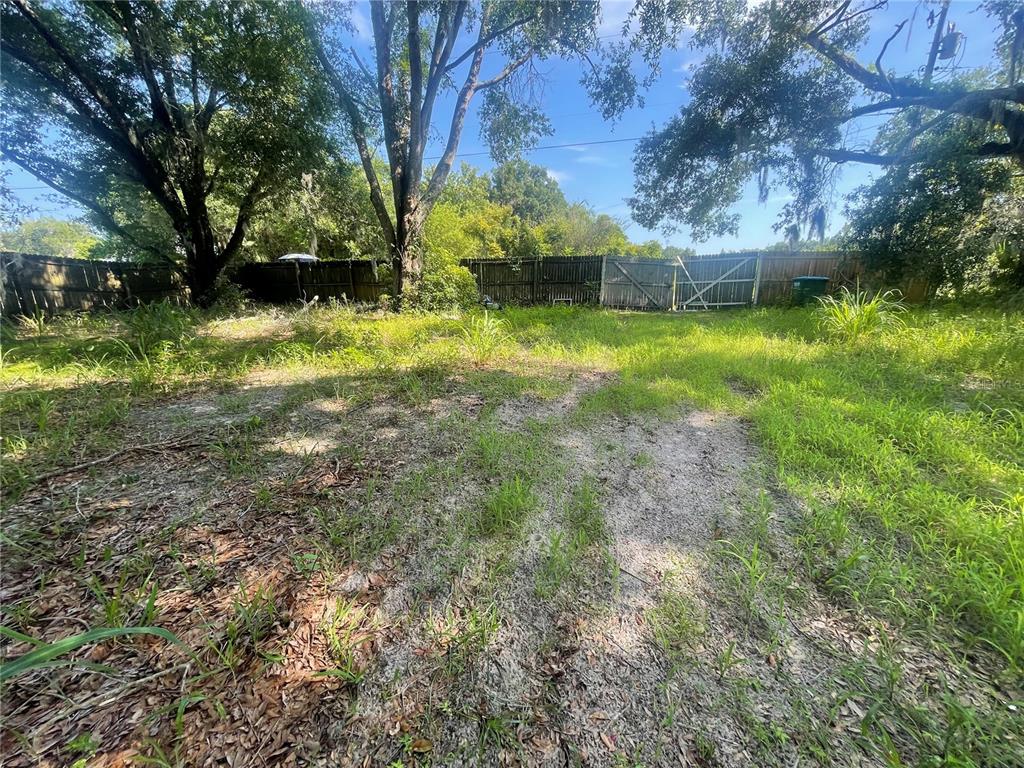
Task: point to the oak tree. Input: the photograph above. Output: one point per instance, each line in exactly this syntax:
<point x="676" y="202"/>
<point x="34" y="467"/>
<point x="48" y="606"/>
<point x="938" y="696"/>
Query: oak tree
<point x="784" y="90"/>
<point x="185" y="102"/>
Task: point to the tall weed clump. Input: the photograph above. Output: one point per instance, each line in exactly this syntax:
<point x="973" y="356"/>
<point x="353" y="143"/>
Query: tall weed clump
<point x="853" y="315"/>
<point x="151" y="326"/>
<point x="484" y="337"/>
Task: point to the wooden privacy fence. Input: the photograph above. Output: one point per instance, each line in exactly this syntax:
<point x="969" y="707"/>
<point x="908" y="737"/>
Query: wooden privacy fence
<point x="283" y="282"/>
<point x="575" y="279"/>
<point x="50" y="284"/>
<point x="692" y="283"/>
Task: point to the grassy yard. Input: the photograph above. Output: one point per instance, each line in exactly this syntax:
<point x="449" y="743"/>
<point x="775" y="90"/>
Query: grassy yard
<point x="544" y="536"/>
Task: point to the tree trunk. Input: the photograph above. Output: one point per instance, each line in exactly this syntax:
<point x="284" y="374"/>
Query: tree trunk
<point x="406" y="263"/>
<point x="202" y="268"/>
<point x="406" y="257"/>
<point x="205" y="257"/>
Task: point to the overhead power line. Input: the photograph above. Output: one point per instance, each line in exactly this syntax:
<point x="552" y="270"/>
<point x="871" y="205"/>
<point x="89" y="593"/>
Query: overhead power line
<point x="549" y="146"/>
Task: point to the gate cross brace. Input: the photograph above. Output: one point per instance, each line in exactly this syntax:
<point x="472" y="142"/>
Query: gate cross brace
<point x="702" y="291"/>
<point x="643" y="290"/>
<point x="692" y="283"/>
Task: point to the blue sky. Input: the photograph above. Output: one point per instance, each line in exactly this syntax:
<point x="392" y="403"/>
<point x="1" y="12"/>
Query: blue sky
<point x="602" y="175"/>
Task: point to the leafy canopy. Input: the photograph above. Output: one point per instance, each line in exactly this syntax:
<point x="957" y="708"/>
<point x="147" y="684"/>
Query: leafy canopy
<point x="195" y="109"/>
<point x="775" y="97"/>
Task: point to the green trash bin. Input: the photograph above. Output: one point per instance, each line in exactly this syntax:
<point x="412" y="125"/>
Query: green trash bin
<point x="808" y="287"/>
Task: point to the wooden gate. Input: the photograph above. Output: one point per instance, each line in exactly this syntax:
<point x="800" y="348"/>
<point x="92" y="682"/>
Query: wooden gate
<point x="748" y="278"/>
<point x="635" y="284"/>
<point x="713" y="283"/>
<point x="681" y="285"/>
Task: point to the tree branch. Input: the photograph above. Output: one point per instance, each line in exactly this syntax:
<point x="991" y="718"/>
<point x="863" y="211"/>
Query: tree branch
<point x="870" y="80"/>
<point x="358" y="128"/>
<point x="62" y="88"/>
<point x="383" y="26"/>
<point x="511" y="67"/>
<point x="245" y="208"/>
<point x="826" y="24"/>
<point x="122" y="15"/>
<point x="486" y="40"/>
<point x="103" y="99"/>
<point x="440" y="58"/>
<point x="881" y="53"/>
<point x="989" y="149"/>
<point x="854" y="156"/>
<point x="109" y="222"/>
<point x="414" y="151"/>
<point x="444" y="165"/>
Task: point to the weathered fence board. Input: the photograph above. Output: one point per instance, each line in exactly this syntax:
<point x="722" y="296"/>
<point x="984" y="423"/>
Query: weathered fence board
<point x="571" y="280"/>
<point x="283" y="282"/>
<point x="33" y="283"/>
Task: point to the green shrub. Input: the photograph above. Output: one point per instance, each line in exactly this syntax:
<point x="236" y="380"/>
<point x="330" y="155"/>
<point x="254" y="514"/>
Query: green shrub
<point x="443" y="288"/>
<point x="229" y="297"/>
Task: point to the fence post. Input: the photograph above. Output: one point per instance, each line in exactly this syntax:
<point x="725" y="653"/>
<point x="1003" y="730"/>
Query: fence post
<point x="536" y="281"/>
<point x="600" y="296"/>
<point x="298" y="282"/>
<point x="757" y="279"/>
<point x="675" y="274"/>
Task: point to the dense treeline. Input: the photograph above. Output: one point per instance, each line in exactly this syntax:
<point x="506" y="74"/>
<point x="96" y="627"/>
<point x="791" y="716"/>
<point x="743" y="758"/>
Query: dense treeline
<point x="516" y="211"/>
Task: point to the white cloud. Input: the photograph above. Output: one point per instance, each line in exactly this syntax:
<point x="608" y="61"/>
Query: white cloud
<point x="361" y="22"/>
<point x="558" y="176"/>
<point x="613" y="16"/>
<point x="594" y="160"/>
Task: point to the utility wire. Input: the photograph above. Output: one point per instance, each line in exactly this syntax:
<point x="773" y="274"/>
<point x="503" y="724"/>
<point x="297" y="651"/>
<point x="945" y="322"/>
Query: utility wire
<point x="549" y="146"/>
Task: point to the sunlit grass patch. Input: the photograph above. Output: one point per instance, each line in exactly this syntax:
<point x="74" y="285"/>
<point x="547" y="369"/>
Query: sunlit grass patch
<point x="506" y="507"/>
<point x="677" y="621"/>
<point x="908" y="447"/>
<point x="580" y="538"/>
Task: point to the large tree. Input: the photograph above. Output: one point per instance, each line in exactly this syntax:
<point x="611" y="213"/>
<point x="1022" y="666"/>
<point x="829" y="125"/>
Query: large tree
<point x="527" y="189"/>
<point x="783" y="93"/>
<point x="948" y="219"/>
<point x="182" y="101"/>
<point x="422" y="50"/>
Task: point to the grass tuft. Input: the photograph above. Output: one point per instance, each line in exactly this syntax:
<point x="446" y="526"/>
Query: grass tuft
<point x="852" y="315"/>
<point x="506" y="507"/>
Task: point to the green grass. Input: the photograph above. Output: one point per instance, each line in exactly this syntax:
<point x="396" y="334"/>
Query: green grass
<point x="506" y="506"/>
<point x="854" y="315"/>
<point x="582" y="534"/>
<point x="906" y="448"/>
<point x="676" y="621"/>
